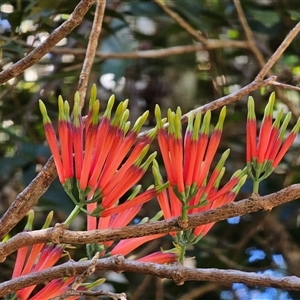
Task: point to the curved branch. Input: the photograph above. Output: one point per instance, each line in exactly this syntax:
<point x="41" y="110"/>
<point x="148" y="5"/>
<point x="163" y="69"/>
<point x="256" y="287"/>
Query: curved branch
<point x="178" y="273"/>
<point x="57" y="35"/>
<point x="59" y="234"/>
<point x="276" y="55"/>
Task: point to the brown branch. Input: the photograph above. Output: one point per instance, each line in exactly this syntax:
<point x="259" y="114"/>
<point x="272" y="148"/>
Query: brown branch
<point x="276" y="55"/>
<point x="158" y="53"/>
<point x="286" y="86"/>
<point x="249" y="35"/>
<point x="58" y="234"/>
<point x="27" y="198"/>
<point x="181" y="22"/>
<point x="91" y="50"/>
<point x="57" y="35"/>
<point x="178" y="273"/>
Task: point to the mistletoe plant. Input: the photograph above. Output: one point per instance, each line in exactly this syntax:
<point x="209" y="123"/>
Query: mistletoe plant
<point x="100" y="159"/>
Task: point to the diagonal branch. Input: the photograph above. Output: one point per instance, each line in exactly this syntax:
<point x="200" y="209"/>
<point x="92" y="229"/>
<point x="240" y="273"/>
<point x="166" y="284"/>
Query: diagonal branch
<point x="277" y="54"/>
<point x="57" y="35"/>
<point x="91" y="50"/>
<point x="178" y="273"/>
<point x="181" y="22"/>
<point x="59" y="234"/>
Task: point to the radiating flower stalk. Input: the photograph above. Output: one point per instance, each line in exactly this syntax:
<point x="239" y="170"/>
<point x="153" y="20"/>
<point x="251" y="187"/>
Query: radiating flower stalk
<point x="188" y="161"/>
<point x="264" y="155"/>
<point x="104" y="156"/>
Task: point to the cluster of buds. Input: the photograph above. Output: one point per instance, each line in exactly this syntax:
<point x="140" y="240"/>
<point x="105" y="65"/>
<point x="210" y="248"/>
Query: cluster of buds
<point x="40" y="257"/>
<point x="188" y="161"/>
<point x="264" y="155"/>
<point x="103" y="156"/>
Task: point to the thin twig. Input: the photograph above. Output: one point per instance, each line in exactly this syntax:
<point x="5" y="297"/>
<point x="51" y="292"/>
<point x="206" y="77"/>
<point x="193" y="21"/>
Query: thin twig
<point x="286" y="86"/>
<point x="181" y="22"/>
<point x="178" y="273"/>
<point x="57" y="35"/>
<point x="276" y="55"/>
<point x="59" y="234"/>
<point x="249" y="35"/>
<point x="259" y="57"/>
<point x="91" y="50"/>
<point x="158" y="53"/>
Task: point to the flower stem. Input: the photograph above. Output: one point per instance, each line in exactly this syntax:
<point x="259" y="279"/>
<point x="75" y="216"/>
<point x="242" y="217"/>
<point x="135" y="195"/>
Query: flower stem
<point x="182" y="253"/>
<point x="256" y="186"/>
<point x="72" y="215"/>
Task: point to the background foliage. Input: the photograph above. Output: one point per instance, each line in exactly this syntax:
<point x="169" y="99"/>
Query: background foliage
<point x="261" y="242"/>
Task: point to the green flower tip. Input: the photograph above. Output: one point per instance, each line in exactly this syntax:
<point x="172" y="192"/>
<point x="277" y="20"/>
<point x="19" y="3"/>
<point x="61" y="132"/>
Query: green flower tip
<point x="177" y="126"/>
<point x="284" y="125"/>
<point x="94" y="92"/>
<point x="93" y="96"/>
<point x="48" y="220"/>
<point x="140" y="122"/>
<point x="279" y="116"/>
<point x="30" y="219"/>
<point x="270" y="106"/>
<point x="223" y="159"/>
<point x="67" y="110"/>
<point x="196" y="126"/>
<point x="95" y="110"/>
<point x="126" y="127"/>
<point x="61" y="109"/>
<point x="251" y="109"/>
<point x="135" y="192"/>
<point x="125" y="104"/>
<point x="296" y="127"/>
<point x="206" y="123"/>
<point x="157" y="113"/>
<point x="171" y="117"/>
<point x="222" y="116"/>
<point x="110" y="104"/>
<point x="179" y="112"/>
<point x="142" y="155"/>
<point x="148" y="161"/>
<point x="76" y="98"/>
<point x="43" y="110"/>
<point x="119" y="114"/>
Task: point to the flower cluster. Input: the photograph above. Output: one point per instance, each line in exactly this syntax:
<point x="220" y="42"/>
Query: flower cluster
<point x="103" y="156"/>
<point x="40" y="257"/>
<point x="188" y="160"/>
<point x="264" y="155"/>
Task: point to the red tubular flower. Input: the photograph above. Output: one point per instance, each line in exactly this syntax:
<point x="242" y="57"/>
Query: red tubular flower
<point x="77" y="137"/>
<point x="160" y="257"/>
<point x="48" y="256"/>
<point x="138" y="200"/>
<point x="251" y="131"/>
<point x="271" y="148"/>
<point x="126" y="246"/>
<point x="195" y="155"/>
<point x="265" y="130"/>
<point x="52" y="141"/>
<point x="287" y="144"/>
<point x="89" y="147"/>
